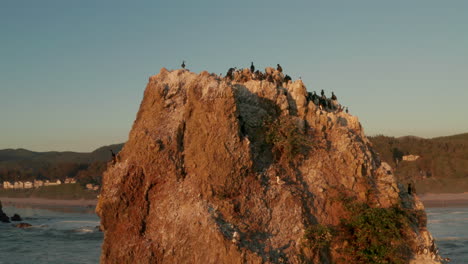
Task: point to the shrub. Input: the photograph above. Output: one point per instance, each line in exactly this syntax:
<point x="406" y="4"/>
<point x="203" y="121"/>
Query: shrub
<point x="286" y="137"/>
<point x="376" y="235"/>
<point x="318" y="237"/>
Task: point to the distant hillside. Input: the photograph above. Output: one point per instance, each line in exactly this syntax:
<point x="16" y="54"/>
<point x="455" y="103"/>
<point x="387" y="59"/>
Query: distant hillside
<point x="100" y="154"/>
<point x="22" y="164"/>
<point x="442" y="166"/>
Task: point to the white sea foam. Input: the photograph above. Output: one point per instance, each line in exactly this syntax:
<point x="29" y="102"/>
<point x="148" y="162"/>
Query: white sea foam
<point x="86" y="222"/>
<point x="451" y="238"/>
<point x="85" y="229"/>
<point x="459" y="212"/>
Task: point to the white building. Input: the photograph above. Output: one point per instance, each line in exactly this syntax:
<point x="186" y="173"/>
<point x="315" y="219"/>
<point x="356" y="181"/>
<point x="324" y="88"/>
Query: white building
<point x="18" y="185"/>
<point x="7" y="185"/>
<point x="38" y="183"/>
<point x="49" y="183"/>
<point x="70" y="180"/>
<point x="27" y="185"/>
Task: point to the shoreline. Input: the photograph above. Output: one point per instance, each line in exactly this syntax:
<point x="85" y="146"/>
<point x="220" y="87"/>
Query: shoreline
<point x="444" y="199"/>
<point x="49" y="202"/>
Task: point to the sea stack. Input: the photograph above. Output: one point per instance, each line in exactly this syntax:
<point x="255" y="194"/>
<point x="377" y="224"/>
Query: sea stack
<point x="196" y="181"/>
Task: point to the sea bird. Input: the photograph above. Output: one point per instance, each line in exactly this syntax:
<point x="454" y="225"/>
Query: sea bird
<point x="114" y="157"/>
<point x="230" y="72"/>
<point x="333" y="97"/>
<point x="279" y="68"/>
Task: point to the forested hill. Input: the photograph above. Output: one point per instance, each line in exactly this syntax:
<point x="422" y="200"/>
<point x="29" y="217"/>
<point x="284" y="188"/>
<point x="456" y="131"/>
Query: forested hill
<point x="22" y="164"/>
<point x="442" y="166"/>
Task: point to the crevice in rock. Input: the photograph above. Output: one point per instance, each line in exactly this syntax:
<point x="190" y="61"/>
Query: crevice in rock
<point x="147" y="208"/>
<point x="180" y="161"/>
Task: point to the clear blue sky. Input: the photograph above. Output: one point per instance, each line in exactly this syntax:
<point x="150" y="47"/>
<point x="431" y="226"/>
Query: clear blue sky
<point x="72" y="73"/>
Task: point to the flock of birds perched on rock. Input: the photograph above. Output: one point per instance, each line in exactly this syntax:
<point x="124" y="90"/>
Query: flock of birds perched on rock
<point x="269" y="75"/>
<point x="277" y="77"/>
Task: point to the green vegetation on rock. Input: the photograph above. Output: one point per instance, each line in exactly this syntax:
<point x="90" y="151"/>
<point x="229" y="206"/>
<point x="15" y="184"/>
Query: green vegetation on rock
<point x="287" y="139"/>
<point x="318" y="237"/>
<point x="375" y="235"/>
<point x="367" y="235"/>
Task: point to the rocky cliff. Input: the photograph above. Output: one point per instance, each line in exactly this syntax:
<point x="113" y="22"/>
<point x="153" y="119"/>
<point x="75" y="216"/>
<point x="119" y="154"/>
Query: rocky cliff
<point x="241" y="170"/>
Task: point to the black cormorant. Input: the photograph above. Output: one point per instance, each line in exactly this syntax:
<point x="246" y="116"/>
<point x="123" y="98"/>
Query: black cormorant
<point x="279" y="68"/>
<point x="287" y="78"/>
<point x="114" y="157"/>
<point x="333" y="97"/>
<point x="183" y="65"/>
<point x="315" y="98"/>
<point x="252" y="68"/>
<point x="229" y="73"/>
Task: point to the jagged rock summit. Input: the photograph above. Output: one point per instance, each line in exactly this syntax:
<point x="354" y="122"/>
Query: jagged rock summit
<point x="239" y="170"/>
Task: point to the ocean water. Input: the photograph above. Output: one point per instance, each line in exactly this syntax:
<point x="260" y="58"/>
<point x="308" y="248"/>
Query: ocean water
<point x="449" y="227"/>
<point x="58" y="235"/>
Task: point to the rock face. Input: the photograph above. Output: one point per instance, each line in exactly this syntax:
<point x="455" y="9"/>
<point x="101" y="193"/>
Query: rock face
<point x="22" y="225"/>
<point x="3" y="217"/>
<point x="16" y="217"/>
<point x="250" y="171"/>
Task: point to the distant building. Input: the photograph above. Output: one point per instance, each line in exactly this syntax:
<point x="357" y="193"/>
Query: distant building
<point x="27" y="185"/>
<point x="92" y="187"/>
<point x="18" y="185"/>
<point x="7" y="185"/>
<point x="410" y="157"/>
<point x="33" y="184"/>
<point x="38" y="183"/>
<point x="49" y="183"/>
<point x="70" y="180"/>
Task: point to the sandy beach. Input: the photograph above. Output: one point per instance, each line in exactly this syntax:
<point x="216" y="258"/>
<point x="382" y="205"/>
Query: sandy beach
<point x="444" y="199"/>
<point x="48" y="202"/>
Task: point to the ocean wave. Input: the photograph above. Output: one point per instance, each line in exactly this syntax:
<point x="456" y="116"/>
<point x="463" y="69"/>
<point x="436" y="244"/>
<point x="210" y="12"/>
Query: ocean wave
<point x="457" y="212"/>
<point x="75" y="221"/>
<point x="85" y="229"/>
<point x="451" y="221"/>
<point x="433" y="213"/>
<point x="451" y="238"/>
